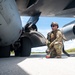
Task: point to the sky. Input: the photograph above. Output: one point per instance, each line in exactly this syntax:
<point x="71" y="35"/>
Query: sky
<point x="43" y="26"/>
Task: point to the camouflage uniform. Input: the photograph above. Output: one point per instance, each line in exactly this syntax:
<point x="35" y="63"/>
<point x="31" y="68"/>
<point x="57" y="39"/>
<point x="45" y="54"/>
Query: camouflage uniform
<point x="54" y="43"/>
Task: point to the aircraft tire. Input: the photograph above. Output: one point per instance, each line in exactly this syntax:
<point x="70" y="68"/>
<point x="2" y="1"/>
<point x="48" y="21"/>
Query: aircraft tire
<point x="4" y="51"/>
<point x="25" y="47"/>
<point x="17" y="52"/>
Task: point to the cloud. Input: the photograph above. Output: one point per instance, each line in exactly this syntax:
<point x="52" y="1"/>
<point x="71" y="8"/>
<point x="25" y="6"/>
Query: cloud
<point x="69" y="44"/>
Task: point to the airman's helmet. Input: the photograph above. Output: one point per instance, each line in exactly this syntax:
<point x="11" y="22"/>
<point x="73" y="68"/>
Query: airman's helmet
<point x="54" y="24"/>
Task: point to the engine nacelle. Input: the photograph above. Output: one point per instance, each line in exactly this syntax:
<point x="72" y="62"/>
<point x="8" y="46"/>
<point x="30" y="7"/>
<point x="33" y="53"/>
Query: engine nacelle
<point x="69" y="31"/>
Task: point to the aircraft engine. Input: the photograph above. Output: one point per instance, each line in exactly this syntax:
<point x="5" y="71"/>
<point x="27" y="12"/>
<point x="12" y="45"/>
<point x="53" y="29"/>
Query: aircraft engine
<point x="69" y="31"/>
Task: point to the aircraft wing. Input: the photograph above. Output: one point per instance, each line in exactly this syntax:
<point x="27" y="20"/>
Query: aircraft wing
<point x="47" y="7"/>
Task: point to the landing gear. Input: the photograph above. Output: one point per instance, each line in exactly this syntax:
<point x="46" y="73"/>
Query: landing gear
<point x="5" y="51"/>
<point x="18" y="52"/>
<point x="22" y="47"/>
<point x="25" y="47"/>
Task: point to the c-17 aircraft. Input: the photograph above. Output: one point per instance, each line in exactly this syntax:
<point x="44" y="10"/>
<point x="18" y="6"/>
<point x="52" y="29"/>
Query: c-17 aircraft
<point x="21" y="40"/>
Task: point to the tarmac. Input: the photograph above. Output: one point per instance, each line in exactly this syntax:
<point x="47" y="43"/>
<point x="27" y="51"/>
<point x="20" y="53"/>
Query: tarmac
<point x="37" y="64"/>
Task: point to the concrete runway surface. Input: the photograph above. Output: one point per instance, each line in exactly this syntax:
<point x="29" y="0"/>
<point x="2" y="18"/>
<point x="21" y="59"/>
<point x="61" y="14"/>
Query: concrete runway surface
<point x="37" y="64"/>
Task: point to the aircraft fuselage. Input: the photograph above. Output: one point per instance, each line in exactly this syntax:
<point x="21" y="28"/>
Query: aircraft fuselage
<point x="10" y="22"/>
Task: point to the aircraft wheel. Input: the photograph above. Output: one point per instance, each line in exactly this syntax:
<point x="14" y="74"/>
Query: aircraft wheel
<point x="25" y="47"/>
<point x="5" y="51"/>
<point x="17" y="52"/>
